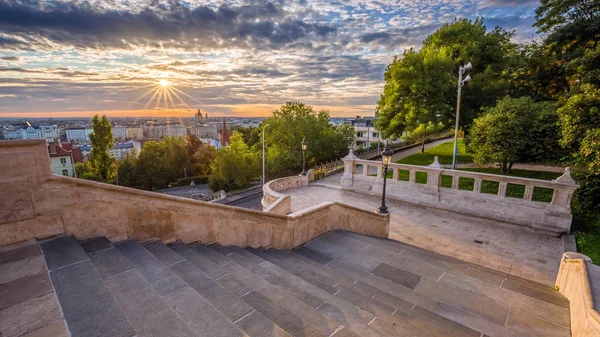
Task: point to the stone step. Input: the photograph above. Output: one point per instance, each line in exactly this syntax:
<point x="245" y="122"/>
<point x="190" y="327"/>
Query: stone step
<point x="144" y="307"/>
<point x="62" y="252"/>
<point x="252" y="322"/>
<point x="88" y="306"/>
<point x="290" y="314"/>
<point x="345" y="313"/>
<point x="110" y="262"/>
<point x="162" y="252"/>
<point x="206" y="265"/>
<point x="162" y="279"/>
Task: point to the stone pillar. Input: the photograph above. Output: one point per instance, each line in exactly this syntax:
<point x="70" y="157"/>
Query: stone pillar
<point x="347" y="177"/>
<point x="433" y="176"/>
<point x="563" y="192"/>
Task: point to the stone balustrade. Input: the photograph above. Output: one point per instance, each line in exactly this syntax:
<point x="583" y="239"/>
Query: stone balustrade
<point x="463" y="192"/>
<point x="577" y="278"/>
<point x="35" y="204"/>
<point x="279" y="203"/>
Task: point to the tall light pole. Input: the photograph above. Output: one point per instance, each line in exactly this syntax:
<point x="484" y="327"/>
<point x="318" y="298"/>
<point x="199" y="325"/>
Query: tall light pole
<point x="304" y="144"/>
<point x="263" y="166"/>
<point x="461" y="82"/>
<point x="386" y="158"/>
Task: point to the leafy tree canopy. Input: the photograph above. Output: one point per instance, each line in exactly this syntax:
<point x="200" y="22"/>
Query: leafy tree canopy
<point x="102" y="142"/>
<point x="234" y="166"/>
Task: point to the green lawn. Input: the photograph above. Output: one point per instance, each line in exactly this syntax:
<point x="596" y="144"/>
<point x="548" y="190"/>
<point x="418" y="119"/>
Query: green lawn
<point x="589" y="244"/>
<point x="443" y="151"/>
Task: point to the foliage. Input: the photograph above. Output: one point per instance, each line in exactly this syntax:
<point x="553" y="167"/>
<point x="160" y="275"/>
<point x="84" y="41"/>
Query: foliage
<point x="234" y="166"/>
<point x="252" y="135"/>
<point x="579" y="114"/>
<point x="421" y="85"/>
<point x="516" y="129"/>
<point x="289" y="125"/>
<point x="165" y="161"/>
<point x="102" y="141"/>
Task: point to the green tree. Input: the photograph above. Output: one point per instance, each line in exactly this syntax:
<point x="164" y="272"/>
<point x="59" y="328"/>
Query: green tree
<point x="579" y="114"/>
<point x="516" y="129"/>
<point x="422" y="132"/>
<point x="102" y="141"/>
<point x="151" y="166"/>
<point x="289" y="125"/>
<point x="421" y="85"/>
<point x="234" y="166"/>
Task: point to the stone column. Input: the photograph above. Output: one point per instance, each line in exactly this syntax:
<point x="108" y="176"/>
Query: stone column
<point x="565" y="186"/>
<point x="347" y="177"/>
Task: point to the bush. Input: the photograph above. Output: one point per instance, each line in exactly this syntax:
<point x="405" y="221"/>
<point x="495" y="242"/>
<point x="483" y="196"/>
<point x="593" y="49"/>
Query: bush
<point x="198" y="180"/>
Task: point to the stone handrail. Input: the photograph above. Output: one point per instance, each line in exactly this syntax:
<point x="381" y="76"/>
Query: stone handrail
<point x="279" y="203"/>
<point x="37" y="204"/>
<point x="551" y="218"/>
<point x="576" y="278"/>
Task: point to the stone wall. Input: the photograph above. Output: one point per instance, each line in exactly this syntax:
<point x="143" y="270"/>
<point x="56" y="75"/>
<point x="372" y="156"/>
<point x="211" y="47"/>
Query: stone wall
<point x="36" y="204"/>
<point x="577" y="278"/>
<point x="551" y="218"/>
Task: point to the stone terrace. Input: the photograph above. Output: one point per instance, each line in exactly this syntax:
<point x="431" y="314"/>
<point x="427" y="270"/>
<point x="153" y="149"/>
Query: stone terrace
<point x="503" y="247"/>
<point x="341" y="284"/>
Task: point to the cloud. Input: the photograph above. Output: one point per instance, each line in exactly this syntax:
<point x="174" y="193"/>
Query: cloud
<point x="173" y="24"/>
<point x="9" y="58"/>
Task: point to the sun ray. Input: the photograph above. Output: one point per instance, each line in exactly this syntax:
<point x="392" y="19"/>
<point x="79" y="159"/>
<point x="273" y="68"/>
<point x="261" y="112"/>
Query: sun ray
<point x="186" y="95"/>
<point x="142" y="96"/>
<point x="171" y="99"/>
<point x="162" y="90"/>
<point x="151" y="98"/>
<point x="180" y="99"/>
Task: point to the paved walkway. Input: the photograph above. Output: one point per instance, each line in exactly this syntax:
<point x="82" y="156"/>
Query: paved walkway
<point x="492" y="244"/>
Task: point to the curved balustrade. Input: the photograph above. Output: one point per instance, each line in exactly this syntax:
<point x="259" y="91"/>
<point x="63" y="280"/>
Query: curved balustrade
<point x="543" y="205"/>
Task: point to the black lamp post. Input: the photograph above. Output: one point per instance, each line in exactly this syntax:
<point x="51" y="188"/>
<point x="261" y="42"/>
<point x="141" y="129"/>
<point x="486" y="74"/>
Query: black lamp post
<point x="386" y="157"/>
<point x="304" y="143"/>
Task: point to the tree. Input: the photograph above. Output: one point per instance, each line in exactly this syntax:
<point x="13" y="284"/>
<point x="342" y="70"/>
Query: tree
<point x="234" y="166"/>
<point x="102" y="142"/>
<point x="289" y="125"/>
<point x="421" y="86"/>
<point x="516" y="129"/>
<point x="423" y="132"/>
<point x="579" y="114"/>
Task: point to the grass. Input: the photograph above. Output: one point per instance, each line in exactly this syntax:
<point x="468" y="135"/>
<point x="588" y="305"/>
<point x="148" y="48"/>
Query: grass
<point x="589" y="244"/>
<point x="443" y="151"/>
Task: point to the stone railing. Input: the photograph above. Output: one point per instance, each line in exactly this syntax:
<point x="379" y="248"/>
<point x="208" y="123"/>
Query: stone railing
<point x="279" y="203"/>
<point x="437" y="187"/>
<point x="37" y="204"/>
<point x="219" y="195"/>
<point x="577" y="278"/>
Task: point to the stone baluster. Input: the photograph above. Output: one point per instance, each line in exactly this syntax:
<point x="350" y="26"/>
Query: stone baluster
<point x="528" y="192"/>
<point x="394" y="173"/>
<point x="365" y="169"/>
<point x="412" y="176"/>
<point x="380" y="172"/>
<point x="455" y="182"/>
<point x="502" y="188"/>
<point x="477" y="187"/>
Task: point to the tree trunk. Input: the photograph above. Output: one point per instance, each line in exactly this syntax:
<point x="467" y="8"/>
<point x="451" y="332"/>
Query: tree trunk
<point x="503" y="167"/>
<point x="423" y="146"/>
<point x="510" y="165"/>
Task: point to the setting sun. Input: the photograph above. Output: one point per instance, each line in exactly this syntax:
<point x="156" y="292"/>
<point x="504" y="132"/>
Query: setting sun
<point x="164" y="83"/>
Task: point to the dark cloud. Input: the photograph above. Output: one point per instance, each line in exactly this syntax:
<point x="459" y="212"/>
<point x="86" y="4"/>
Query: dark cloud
<point x="83" y="25"/>
<point x="399" y="37"/>
<point x="9" y="58"/>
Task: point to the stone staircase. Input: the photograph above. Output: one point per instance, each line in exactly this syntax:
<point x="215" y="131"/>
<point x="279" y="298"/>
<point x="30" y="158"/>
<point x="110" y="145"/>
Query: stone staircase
<point x="340" y="284"/>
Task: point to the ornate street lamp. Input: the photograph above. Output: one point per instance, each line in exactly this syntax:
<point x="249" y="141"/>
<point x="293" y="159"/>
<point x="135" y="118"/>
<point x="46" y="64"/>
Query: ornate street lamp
<point x="386" y="158"/>
<point x="304" y="144"/>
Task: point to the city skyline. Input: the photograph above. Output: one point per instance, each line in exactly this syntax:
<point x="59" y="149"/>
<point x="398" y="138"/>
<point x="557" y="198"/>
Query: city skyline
<point x="232" y="58"/>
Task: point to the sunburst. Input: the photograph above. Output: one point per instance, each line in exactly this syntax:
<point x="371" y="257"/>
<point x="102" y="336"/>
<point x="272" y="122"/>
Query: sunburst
<point x="161" y="96"/>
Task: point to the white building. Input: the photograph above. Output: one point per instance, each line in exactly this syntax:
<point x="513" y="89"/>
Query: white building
<point x="162" y="131"/>
<point x="119" y="151"/>
<point x="27" y="131"/>
<point x="61" y="160"/>
<point x="119" y="132"/>
<point x="366" y="132"/>
<point x="79" y="135"/>
<point x="208" y="131"/>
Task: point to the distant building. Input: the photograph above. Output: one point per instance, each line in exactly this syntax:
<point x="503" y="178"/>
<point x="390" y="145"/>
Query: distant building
<point x="224" y="134"/>
<point x="135" y="133"/>
<point x="79" y="135"/>
<point x="160" y="131"/>
<point x="201" y="119"/>
<point x="208" y="131"/>
<point x="366" y="132"/>
<point x="119" y="132"/>
<point x="119" y="150"/>
<point x="61" y="159"/>
<point x="27" y="131"/>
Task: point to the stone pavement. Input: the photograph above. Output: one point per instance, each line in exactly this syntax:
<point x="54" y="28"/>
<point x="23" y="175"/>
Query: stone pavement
<point x="488" y="243"/>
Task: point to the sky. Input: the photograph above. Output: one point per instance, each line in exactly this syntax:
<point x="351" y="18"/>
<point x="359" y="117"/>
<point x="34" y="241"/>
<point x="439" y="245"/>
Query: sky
<point x="67" y="58"/>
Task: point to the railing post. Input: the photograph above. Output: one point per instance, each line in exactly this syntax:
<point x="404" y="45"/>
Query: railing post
<point x="412" y="176"/>
<point x="477" y="187"/>
<point x="379" y="172"/>
<point x="563" y="190"/>
<point x="395" y="174"/>
<point x="528" y="192"/>
<point x="455" y="182"/>
<point x="502" y="189"/>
